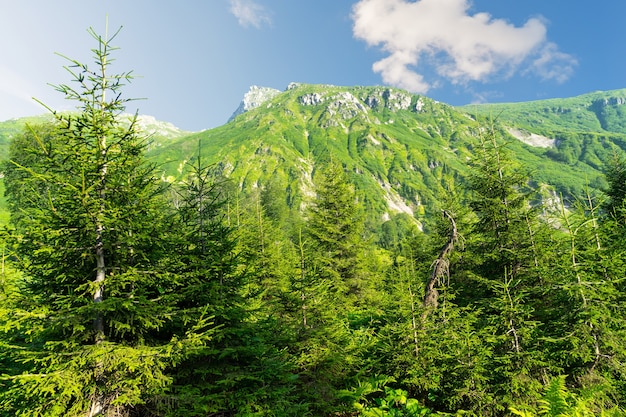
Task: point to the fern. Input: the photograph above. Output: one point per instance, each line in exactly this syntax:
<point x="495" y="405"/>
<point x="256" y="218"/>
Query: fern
<point x="557" y="399"/>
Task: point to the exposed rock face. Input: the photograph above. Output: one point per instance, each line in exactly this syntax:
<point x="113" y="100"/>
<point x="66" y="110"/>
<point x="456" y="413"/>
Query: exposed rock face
<point x="340" y="106"/>
<point x="392" y="100"/>
<point x="372" y="101"/>
<point x="254" y="98"/>
<point x="419" y="105"/>
<point x="611" y="101"/>
<point x="346" y="106"/>
<point x="396" y="100"/>
<point x="312" y="99"/>
<point x="395" y="203"/>
<point x="532" y="139"/>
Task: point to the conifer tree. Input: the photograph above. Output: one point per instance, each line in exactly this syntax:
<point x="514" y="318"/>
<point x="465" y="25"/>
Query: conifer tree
<point x="336" y="226"/>
<point x="227" y="272"/>
<point x="589" y="306"/>
<point x="506" y="274"/>
<point x="331" y="283"/>
<point x="87" y="211"/>
<point x="587" y="309"/>
<point x="616" y="192"/>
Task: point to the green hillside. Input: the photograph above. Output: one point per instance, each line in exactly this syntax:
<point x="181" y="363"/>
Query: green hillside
<point x="402" y="150"/>
<point x="598" y="112"/>
<point x="585" y="129"/>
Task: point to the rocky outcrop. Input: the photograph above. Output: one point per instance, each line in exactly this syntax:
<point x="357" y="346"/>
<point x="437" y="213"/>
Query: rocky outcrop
<point x="532" y="139"/>
<point x="611" y="101"/>
<point x="312" y="99"/>
<point x="254" y="98"/>
<point x="395" y="100"/>
<point x="390" y="99"/>
<point x="346" y="106"/>
<point x="339" y="106"/>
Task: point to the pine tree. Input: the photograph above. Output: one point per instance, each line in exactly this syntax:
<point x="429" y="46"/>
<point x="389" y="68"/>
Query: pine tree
<point x="88" y="215"/>
<point x="616" y="192"/>
<point x="506" y="275"/>
<point x="336" y="226"/>
<point x="228" y="272"/>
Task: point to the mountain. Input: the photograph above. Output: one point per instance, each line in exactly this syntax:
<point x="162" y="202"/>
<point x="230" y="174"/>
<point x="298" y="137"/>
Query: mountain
<point x="397" y="146"/>
<point x="584" y="130"/>
<point x="598" y="112"/>
<point x="148" y="125"/>
<point x="403" y="151"/>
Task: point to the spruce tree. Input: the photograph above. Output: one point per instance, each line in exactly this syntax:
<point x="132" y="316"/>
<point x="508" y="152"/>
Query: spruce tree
<point x="336" y="227"/>
<point x="586" y="324"/>
<point x="87" y="211"/>
<point x="616" y="192"/>
<point x="331" y="284"/>
<point x="592" y="289"/>
<point x="231" y="272"/>
<point x="506" y="275"/>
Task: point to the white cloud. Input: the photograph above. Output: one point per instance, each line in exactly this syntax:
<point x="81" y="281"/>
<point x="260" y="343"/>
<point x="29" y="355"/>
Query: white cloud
<point x="551" y="64"/>
<point x="249" y="13"/>
<point x="460" y="47"/>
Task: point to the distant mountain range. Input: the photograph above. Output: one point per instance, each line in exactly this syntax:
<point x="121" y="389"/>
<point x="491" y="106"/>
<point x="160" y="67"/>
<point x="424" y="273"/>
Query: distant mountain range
<point x="403" y="151"/>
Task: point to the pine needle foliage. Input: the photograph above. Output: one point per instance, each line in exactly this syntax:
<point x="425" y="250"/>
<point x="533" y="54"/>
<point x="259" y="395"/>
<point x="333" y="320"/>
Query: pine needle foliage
<point x="86" y="326"/>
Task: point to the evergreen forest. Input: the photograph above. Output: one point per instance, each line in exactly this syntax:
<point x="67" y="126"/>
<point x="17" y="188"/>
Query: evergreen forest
<point x="123" y="293"/>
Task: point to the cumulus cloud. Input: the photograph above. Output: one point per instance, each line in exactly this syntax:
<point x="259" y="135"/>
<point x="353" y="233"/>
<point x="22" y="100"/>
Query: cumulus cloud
<point x="459" y="46"/>
<point x="249" y="13"/>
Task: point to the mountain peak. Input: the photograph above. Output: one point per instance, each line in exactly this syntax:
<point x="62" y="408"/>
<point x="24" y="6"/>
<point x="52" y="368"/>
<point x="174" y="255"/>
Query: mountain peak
<point x="151" y="126"/>
<point x="254" y="98"/>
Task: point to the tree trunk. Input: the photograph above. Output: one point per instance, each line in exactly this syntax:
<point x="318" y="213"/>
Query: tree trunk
<point x="97" y="403"/>
<point x="440" y="266"/>
<point x="98" y="296"/>
<point x="302" y="280"/>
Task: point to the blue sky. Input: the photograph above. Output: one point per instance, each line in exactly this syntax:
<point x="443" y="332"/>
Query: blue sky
<point x="197" y="58"/>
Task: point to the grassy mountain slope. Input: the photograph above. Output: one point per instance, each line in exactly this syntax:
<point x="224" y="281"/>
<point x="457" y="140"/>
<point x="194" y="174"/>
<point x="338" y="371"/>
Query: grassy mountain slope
<point x="598" y="112"/>
<point x="397" y="155"/>
<point x="159" y="132"/>
<point x="586" y="129"/>
<point x="402" y="150"/>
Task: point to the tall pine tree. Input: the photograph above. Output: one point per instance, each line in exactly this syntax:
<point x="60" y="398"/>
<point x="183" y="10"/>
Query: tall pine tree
<point x="87" y="211"/>
<point x="506" y="274"/>
<point x="336" y="227"/>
